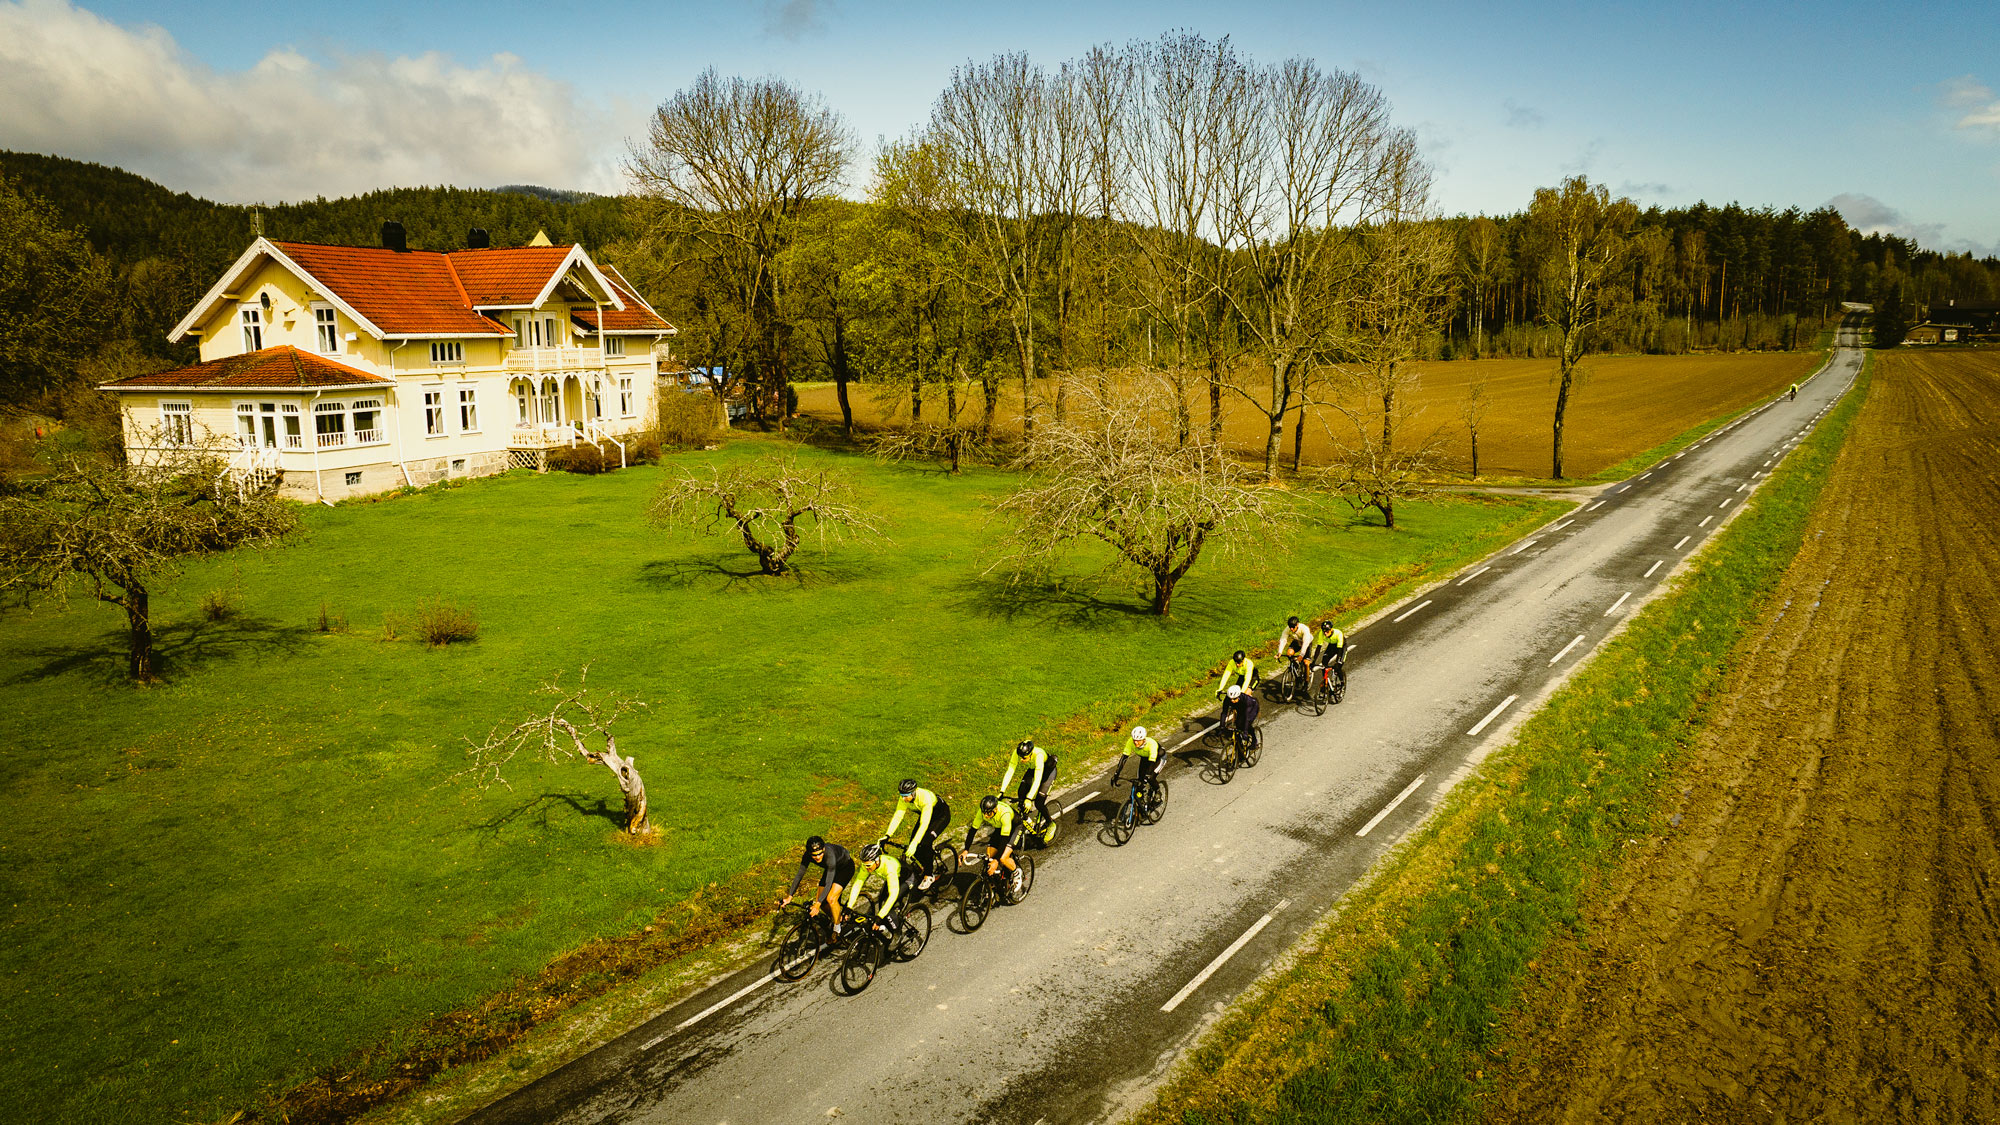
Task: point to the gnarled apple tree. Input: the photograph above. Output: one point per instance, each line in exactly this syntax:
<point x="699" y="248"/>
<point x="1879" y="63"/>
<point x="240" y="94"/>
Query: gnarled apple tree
<point x="772" y="502"/>
<point x="565" y="724"/>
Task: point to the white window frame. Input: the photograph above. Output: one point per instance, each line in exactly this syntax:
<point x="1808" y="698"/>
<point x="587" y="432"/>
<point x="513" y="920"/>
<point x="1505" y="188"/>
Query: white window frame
<point x="447" y="353"/>
<point x="336" y="410"/>
<point x="434" y="411"/>
<point x="326" y="329"/>
<point x="250" y="316"/>
<point x="360" y="406"/>
<point x="614" y="345"/>
<point x="625" y="397"/>
<point x="468" y="410"/>
<point x="176" y="423"/>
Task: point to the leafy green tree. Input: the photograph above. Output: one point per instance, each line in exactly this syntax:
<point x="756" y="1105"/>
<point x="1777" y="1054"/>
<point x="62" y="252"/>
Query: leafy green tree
<point x="1892" y="310"/>
<point x="55" y="297"/>
<point x="1581" y="234"/>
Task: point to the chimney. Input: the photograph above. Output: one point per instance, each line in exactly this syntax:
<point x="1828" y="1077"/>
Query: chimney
<point x="478" y="239"/>
<point x="392" y="236"/>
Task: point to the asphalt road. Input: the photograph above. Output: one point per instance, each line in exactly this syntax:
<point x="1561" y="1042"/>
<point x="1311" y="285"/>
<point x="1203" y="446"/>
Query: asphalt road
<point x="1071" y="1006"/>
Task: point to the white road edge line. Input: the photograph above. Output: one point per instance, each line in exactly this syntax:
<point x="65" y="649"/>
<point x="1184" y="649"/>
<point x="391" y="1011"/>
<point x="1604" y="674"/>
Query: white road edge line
<point x="1072" y="806"/>
<point x="1562" y="525"/>
<point x="709" y="1011"/>
<point x="1202" y="977"/>
<point x="1619" y="602"/>
<point x="1391" y="806"/>
<point x="1725" y="501"/>
<point x="1595" y="506"/>
<point x="1525" y="546"/>
<point x="1683" y="542"/>
<point x="1413" y="609"/>
<point x="1651" y="569"/>
<point x="1564" y="652"/>
<point x="1492" y="715"/>
<point x="1474" y="574"/>
<point x="1704" y="521"/>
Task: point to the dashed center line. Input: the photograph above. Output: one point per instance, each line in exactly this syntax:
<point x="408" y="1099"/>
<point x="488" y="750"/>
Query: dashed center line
<point x="1413" y="609"/>
<point x="1558" y="656"/>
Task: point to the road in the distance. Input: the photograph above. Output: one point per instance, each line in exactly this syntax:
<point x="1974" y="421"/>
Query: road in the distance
<point x="1058" y="1010"/>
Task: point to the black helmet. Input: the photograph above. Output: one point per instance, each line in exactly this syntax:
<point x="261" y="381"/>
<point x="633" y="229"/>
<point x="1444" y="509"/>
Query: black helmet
<point x="1291" y="621"/>
<point x="989" y="804"/>
<point x="1327" y="625"/>
<point x="815" y="844"/>
<point x="871" y="853"/>
<point x="907" y="786"/>
<point x="1025" y="747"/>
<point x="1238" y="658"/>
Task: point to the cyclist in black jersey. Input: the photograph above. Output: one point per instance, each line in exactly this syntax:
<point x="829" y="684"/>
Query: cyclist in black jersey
<point x="836" y="871"/>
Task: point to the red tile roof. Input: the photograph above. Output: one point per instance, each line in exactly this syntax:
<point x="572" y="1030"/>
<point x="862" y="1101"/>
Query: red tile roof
<point x="637" y="316"/>
<point x="399" y="291"/>
<point x="283" y="368"/>
<point x="507" y="275"/>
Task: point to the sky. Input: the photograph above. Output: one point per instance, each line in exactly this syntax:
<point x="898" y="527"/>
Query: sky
<point x="1888" y="113"/>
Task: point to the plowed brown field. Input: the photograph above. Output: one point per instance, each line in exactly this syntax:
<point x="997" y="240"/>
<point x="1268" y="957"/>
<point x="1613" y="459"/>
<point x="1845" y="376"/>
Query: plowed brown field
<point x="1625" y="406"/>
<point x="1816" y="939"/>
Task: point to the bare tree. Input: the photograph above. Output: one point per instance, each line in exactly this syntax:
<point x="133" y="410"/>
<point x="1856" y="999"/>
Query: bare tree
<point x="765" y="500"/>
<point x="1580" y="232"/>
<point x="728" y="168"/>
<point x="122" y="531"/>
<point x="562" y="731"/>
<point x="1485" y="265"/>
<point x="1113" y="470"/>
<point x="1473" y="411"/>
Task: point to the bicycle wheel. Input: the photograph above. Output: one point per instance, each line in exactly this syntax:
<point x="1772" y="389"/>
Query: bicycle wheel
<point x="797" y="953"/>
<point x="976" y="903"/>
<point x="911" y="942"/>
<point x="1339" y="687"/>
<point x="868" y="954"/>
<point x="1216" y="736"/>
<point x="1027" y="865"/>
<point x="1225" y="762"/>
<point x="1315" y="700"/>
<point x="1120" y="828"/>
<point x="1253" y="750"/>
<point x="1156" y="802"/>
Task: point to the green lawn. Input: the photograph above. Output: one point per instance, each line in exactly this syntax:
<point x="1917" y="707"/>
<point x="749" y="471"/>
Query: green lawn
<point x="232" y="880"/>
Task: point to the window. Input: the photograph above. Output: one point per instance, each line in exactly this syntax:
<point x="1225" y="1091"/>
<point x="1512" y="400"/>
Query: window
<point x="625" y="396"/>
<point x="177" y="423"/>
<point x="353" y="478"/>
<point x="257" y="425"/>
<point x="327" y="329"/>
<point x="253" y="328"/>
<point x="330" y="424"/>
<point x="368" y="421"/>
<point x="468" y="410"/>
<point x="614" y="345"/>
<point x="520" y="332"/>
<point x="246" y="425"/>
<point x="447" y="351"/>
<point x="434" y="413"/>
<point x="293" y="438"/>
<point x="458" y="466"/>
<point x="550" y="332"/>
<point x="596" y="397"/>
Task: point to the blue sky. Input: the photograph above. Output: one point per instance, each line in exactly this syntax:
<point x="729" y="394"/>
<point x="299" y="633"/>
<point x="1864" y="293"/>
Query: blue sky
<point x="1890" y="114"/>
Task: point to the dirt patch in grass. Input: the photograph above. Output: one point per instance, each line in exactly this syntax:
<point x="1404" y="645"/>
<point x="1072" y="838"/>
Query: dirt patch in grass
<point x="1814" y="936"/>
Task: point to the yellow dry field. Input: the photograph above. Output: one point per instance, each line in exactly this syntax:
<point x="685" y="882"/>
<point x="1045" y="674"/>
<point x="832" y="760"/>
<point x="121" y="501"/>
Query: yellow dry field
<point x="1624" y="405"/>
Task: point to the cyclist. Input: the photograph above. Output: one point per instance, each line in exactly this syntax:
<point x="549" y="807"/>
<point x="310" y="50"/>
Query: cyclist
<point x="1148" y="750"/>
<point x="1295" y="643"/>
<point x="1004" y="836"/>
<point x="1795" y="392"/>
<point x="1239" y="671"/>
<point x="933" y="817"/>
<point x="1331" y="651"/>
<point x="1241" y="707"/>
<point x="895" y="884"/>
<point x="1038" y="775"/>
<point x="836" y="869"/>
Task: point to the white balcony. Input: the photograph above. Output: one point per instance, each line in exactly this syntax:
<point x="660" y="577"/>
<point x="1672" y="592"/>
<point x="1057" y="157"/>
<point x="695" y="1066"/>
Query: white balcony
<point x="554" y="359"/>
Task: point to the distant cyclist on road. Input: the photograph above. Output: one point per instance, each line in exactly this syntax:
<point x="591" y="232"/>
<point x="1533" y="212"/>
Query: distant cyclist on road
<point x="1795" y="392"/>
<point x="895" y="884"/>
<point x="1002" y="838"/>
<point x="933" y="817"/>
<point x="1295" y="644"/>
<point x="1240" y="708"/>
<point x="1240" y="671"/>
<point x="1038" y="774"/>
<point x="1148" y="751"/>
<point x="1331" y="651"/>
<point x="836" y="869"/>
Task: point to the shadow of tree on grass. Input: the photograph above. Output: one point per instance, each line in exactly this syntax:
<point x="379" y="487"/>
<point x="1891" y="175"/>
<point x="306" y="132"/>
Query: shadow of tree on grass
<point x="178" y="647"/>
<point x="535" y="811"/>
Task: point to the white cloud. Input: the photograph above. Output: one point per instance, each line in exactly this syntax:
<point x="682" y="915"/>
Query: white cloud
<point x="793" y="20"/>
<point x="1978" y="105"/>
<point x="290" y="127"/>
<point x="1870" y="215"/>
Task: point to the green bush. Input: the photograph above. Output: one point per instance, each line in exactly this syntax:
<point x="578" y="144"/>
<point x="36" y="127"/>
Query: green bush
<point x="441" y="622"/>
<point x="584" y="457"/>
<point x="688" y="419"/>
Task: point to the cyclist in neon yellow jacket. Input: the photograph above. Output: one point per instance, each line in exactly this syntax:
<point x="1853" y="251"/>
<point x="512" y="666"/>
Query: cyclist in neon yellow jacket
<point x="877" y="863"/>
<point x="1331" y="651"/>
<point x="1148" y="751"/>
<point x="997" y="815"/>
<point x="933" y="817"/>
<point x="1240" y="670"/>
<point x="1038" y="774"/>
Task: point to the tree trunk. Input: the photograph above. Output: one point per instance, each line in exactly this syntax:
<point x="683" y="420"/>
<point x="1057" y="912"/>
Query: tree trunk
<point x="139" y="633"/>
<point x="1298" y="438"/>
<point x="626" y="770"/>
<point x="1562" y="404"/>
<point x="1163" y="593"/>
<point x="1475" y="452"/>
<point x="840" y="373"/>
<point x="1214" y="405"/>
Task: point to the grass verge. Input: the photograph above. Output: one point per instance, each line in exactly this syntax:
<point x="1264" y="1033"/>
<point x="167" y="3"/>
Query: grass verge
<point x="1391" y="1011"/>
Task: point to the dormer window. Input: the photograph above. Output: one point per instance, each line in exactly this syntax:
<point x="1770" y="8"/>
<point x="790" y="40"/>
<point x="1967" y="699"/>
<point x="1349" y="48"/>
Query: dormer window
<point x="326" y="329"/>
<point x="253" y="328"/>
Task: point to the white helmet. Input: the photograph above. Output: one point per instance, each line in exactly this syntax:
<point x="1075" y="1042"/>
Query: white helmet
<point x="1235" y="690"/>
<point x="1138" y="734"/>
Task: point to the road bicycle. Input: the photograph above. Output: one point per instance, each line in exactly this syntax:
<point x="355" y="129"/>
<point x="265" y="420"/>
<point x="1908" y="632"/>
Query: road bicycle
<point x="1244" y="750"/>
<point x="1145" y="803"/>
<point x="996" y="888"/>
<point x="807" y="937"/>
<point x="944" y="865"/>
<point x="1327" y="686"/>
<point x="876" y="943"/>
<point x="1293" y="686"/>
<point x="1043" y="829"/>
